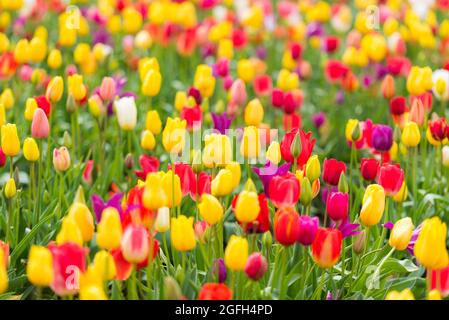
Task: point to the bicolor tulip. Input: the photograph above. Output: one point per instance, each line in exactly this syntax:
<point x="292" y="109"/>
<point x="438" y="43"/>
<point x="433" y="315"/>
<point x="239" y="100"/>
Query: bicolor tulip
<point x="401" y="234"/>
<point x="284" y="190"/>
<point x="134" y="243"/>
<point x="326" y="247"/>
<point x="61" y="159"/>
<point x="286" y="226"/>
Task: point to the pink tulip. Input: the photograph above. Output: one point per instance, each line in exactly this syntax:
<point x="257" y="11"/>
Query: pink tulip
<point x="256" y="266"/>
<point x="39" y="126"/>
<point x="107" y="89"/>
<point x="238" y="92"/>
<point x="134" y="243"/>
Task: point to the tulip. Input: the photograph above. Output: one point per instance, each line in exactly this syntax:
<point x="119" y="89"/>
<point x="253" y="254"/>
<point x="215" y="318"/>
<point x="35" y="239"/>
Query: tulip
<point x="373" y="205"/>
<point x="353" y="131"/>
<point x="223" y="183"/>
<point x="30" y="150"/>
<point x="390" y="178"/>
<point x="410" y="135"/>
<point x="405" y="294"/>
<point x="284" y="190"/>
<point x="388" y="87"/>
<point x="76" y="87"/>
<point x="70" y="232"/>
<point x="332" y="170"/>
<point x="107" y="89"/>
<point x="173" y="136"/>
<point x="180" y="100"/>
<point x="419" y="80"/>
<point x="69" y="260"/>
<point x="126" y="113"/>
<point x="3" y="113"/>
<point x="398" y="105"/>
<point x="382" y="138"/>
<point x="308" y="227"/>
<point x="61" y="159"/>
<point x="337" y="206"/>
<point x="10" y="140"/>
<point x="305" y="142"/>
<point x="83" y="218"/>
<point x="217" y="150"/>
<point x="3" y="275"/>
<point x="254" y="113"/>
<point x="55" y="89"/>
<point x="54" y="59"/>
<point x="204" y="81"/>
<point x="147" y="141"/>
<point x="210" y="209"/>
<point x="440" y="81"/>
<point x="245" y="70"/>
<point x="151" y="85"/>
<point x="10" y="188"/>
<point x="445" y="156"/>
<point x="219" y="269"/>
<point x="109" y="230"/>
<point x="437" y="127"/>
<point x="7" y="98"/>
<point x="154" y="196"/>
<point x="92" y="292"/>
<point x="401" y="234"/>
<point x="171" y="185"/>
<point x="153" y="122"/>
<point x="326" y="247"/>
<point x="236" y="172"/>
<point x="369" y="168"/>
<point x="134" y="243"/>
<point x="182" y="234"/>
<point x="103" y="266"/>
<point x="256" y="266"/>
<point x="247" y="207"/>
<point x="250" y="143"/>
<point x="286" y="226"/>
<point x="39" y="268"/>
<point x="2" y="158"/>
<point x="274" y="152"/>
<point x="215" y="291"/>
<point x="162" y="223"/>
<point x="430" y="247"/>
<point x="236" y="253"/>
<point x="39" y="126"/>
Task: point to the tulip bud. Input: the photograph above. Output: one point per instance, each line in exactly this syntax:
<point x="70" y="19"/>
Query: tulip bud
<point x="171" y="289"/>
<point x="129" y="161"/>
<point x="70" y="103"/>
<point x="359" y="242"/>
<point x="313" y="168"/>
<point x="67" y="139"/>
<point x="30" y="150"/>
<point x="218" y="269"/>
<point x="10" y="188"/>
<point x="306" y="195"/>
<point x="134" y="243"/>
<point x="295" y="148"/>
<point x="61" y="159"/>
<point x="267" y="239"/>
<point x="39" y="268"/>
<point x="343" y="184"/>
<point x="256" y="266"/>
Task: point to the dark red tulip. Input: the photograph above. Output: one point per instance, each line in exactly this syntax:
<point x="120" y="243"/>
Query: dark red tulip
<point x="369" y="168"/>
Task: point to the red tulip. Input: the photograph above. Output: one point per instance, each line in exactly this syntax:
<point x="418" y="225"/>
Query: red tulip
<point x="203" y="183"/>
<point x="187" y="178"/>
<point x="215" y="291"/>
<point x="440" y="280"/>
<point x="438" y="128"/>
<point x="148" y="164"/>
<point x="123" y="267"/>
<point x="332" y="169"/>
<point x="398" y="105"/>
<point x="43" y="104"/>
<point x="295" y="50"/>
<point x="2" y="158"/>
<point x="391" y="177"/>
<point x="330" y="44"/>
<point x="256" y="266"/>
<point x="277" y="98"/>
<point x="192" y="116"/>
<point x="337" y="207"/>
<point x="369" y="168"/>
<point x="335" y="70"/>
<point x="326" y="247"/>
<point x="291" y="121"/>
<point x="69" y="259"/>
<point x="286" y="226"/>
<point x="307" y="145"/>
<point x="262" y="85"/>
<point x="284" y="190"/>
<point x="134" y="243"/>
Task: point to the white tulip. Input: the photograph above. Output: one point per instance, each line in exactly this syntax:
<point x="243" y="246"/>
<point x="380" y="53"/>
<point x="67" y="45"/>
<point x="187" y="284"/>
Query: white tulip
<point x="126" y="111"/>
<point x="162" y="223"/>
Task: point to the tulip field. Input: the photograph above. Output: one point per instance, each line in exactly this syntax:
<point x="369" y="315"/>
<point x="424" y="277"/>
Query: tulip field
<point x="224" y="150"/>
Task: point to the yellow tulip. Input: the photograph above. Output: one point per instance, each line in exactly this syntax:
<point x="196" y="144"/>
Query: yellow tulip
<point x="172" y="188"/>
<point x="147" y="142"/>
<point x="401" y="234"/>
<point x="373" y="205"/>
<point x="153" y="122"/>
<point x="223" y="183"/>
<point x="182" y="234"/>
<point x="10" y="188"/>
<point x="173" y="136"/>
<point x="7" y="98"/>
<point x="54" y="59"/>
<point x="55" y="89"/>
<point x="30" y="107"/>
<point x="10" y="140"/>
<point x="247" y="207"/>
<point x="313" y="168"/>
<point x="39" y="268"/>
<point x="246" y="70"/>
<point x="76" y="87"/>
<point x="154" y="196"/>
<point x="402" y="193"/>
<point x="3" y="114"/>
<point x="236" y="172"/>
<point x="253" y="113"/>
<point x="419" y="80"/>
<point x="109" y="230"/>
<point x="84" y="220"/>
<point x="104" y="265"/>
<point x="410" y="135"/>
<point x="405" y="294"/>
<point x="70" y="232"/>
<point x="352" y="131"/>
<point x="3" y="274"/>
<point x="217" y="150"/>
<point x="250" y="144"/>
<point x="210" y="209"/>
<point x="151" y="85"/>
<point x="236" y="253"/>
<point x="30" y="150"/>
<point x="38" y="49"/>
<point x="430" y="247"/>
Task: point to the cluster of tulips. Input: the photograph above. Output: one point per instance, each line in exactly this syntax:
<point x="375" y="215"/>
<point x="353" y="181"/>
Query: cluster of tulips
<point x="219" y="149"/>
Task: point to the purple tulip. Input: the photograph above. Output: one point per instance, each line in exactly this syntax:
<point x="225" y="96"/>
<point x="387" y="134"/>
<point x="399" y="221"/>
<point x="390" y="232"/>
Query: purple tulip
<point x="319" y="119"/>
<point x="222" y="122"/>
<point x="382" y="138"/>
<point x="308" y="227"/>
<point x="219" y="265"/>
<point x="269" y="171"/>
